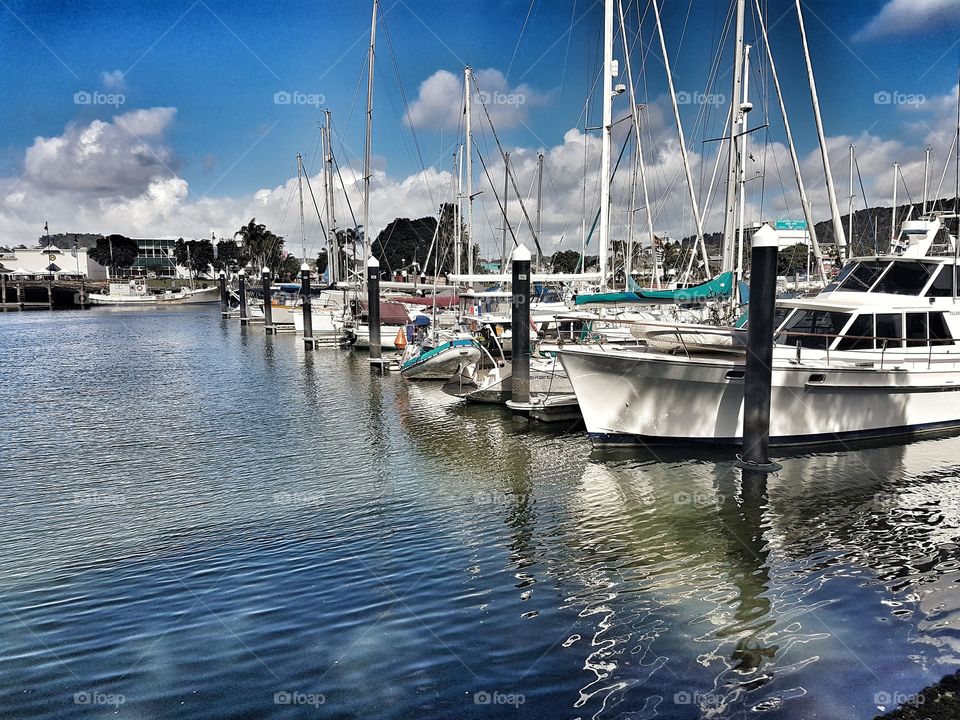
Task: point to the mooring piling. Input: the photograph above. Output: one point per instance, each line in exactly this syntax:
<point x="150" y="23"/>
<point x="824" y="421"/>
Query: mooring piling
<point x="520" y="325"/>
<point x="758" y="371"/>
<point x="308" y="342"/>
<point x="224" y="301"/>
<point x="267" y="300"/>
<point x="242" y="280"/>
<point x="373" y="309"/>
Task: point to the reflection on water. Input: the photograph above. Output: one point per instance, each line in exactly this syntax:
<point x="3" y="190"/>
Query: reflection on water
<point x="201" y="521"/>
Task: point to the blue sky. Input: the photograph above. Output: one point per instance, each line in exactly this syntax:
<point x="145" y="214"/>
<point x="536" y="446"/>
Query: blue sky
<point x="219" y="65"/>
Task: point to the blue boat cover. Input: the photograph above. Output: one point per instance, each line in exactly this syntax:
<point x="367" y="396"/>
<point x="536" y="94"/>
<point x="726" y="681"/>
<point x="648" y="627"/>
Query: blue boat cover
<point x="719" y="287"/>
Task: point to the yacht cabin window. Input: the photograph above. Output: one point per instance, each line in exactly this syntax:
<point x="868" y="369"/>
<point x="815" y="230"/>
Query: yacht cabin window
<point x="863" y="275"/>
<point x="905" y="277"/>
<point x="942" y="285"/>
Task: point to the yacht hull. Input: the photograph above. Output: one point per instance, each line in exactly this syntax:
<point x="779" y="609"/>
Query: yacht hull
<point x="635" y="397"/>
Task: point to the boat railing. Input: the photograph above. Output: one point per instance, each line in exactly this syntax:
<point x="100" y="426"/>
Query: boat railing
<point x="883" y="344"/>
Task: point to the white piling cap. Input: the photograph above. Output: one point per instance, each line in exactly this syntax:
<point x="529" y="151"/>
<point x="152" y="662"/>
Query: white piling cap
<point x="766" y="236"/>
<point x="265" y="270"/>
<point x="372" y="262"/>
<point x="520" y="254"/>
<point x="242" y="272"/>
<point x="305" y="267"/>
<point x="222" y="274"/>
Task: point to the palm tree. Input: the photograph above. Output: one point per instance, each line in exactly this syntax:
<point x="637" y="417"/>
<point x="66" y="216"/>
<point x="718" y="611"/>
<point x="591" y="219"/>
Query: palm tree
<point x="263" y="247"/>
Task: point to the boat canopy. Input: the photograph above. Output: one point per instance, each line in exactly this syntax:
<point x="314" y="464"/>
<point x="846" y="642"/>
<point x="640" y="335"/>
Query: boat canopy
<point x="719" y="287"/>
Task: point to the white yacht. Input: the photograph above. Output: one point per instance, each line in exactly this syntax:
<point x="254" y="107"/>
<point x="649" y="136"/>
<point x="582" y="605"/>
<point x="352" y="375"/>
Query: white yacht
<point x="136" y="294"/>
<point x="873" y="355"/>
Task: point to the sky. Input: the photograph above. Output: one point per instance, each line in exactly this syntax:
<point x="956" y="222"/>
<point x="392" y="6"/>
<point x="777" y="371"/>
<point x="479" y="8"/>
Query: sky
<point x="183" y="118"/>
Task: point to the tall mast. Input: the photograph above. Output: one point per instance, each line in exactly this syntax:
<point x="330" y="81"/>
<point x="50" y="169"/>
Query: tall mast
<point x="468" y="102"/>
<point x="683" y="144"/>
<point x="733" y="154"/>
<point x="608" y="75"/>
<point x="369" y="136"/>
<point x="303" y="229"/>
<point x="744" y="110"/>
<point x="333" y="254"/>
<point x="804" y="200"/>
<point x="457" y="237"/>
<point x="638" y="160"/>
<point x="506" y="200"/>
<point x="850" y="197"/>
<point x="926" y="178"/>
<point x="893" y="217"/>
<point x="839" y="236"/>
<point x="539" y="202"/>
<point x="628" y="252"/>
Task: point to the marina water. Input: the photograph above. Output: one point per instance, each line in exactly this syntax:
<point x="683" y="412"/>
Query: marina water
<point x="203" y="522"/>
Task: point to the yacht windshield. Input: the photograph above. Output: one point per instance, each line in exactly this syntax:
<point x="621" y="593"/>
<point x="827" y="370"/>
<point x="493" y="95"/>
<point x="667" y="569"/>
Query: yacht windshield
<point x="863" y="275"/>
<point x="815" y="329"/>
<point x="905" y="277"/>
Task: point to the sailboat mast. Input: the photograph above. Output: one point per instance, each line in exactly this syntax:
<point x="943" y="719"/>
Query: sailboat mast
<point x="683" y="144"/>
<point x="893" y="217"/>
<point x="468" y="103"/>
<point x="458" y="237"/>
<point x="804" y="200"/>
<point x="369" y="130"/>
<point x="839" y="236"/>
<point x="328" y="208"/>
<point x="607" y="132"/>
<point x="506" y="201"/>
<point x="539" y="202"/>
<point x="744" y="110"/>
<point x="303" y="229"/>
<point x="850" y="197"/>
<point x="926" y="178"/>
<point x="733" y="159"/>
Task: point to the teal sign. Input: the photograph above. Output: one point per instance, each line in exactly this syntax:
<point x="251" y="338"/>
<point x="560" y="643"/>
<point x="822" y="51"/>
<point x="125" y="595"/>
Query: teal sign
<point x="785" y="224"/>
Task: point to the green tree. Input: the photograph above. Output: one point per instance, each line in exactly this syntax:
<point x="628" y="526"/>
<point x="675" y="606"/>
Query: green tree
<point x="565" y="261"/>
<point x="263" y="247"/>
<point x="792" y="259"/>
<point x="322" y="261"/>
<point x="195" y="255"/>
<point x="289" y="268"/>
<point x="229" y="256"/>
<point x="115" y="252"/>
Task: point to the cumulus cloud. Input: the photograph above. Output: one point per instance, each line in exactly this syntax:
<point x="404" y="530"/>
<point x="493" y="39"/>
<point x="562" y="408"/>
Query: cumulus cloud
<point x="439" y="102"/>
<point x="902" y="16"/>
<point x="113" y="80"/>
<point x="120" y="176"/>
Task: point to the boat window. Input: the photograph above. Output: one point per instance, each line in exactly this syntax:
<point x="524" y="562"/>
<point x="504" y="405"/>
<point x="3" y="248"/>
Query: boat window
<point x="815" y="329"/>
<point x="939" y="330"/>
<point x="863" y="275"/>
<point x="844" y="272"/>
<point x="905" y="278"/>
<point x="859" y="336"/>
<point x="916" y="329"/>
<point x="889" y="328"/>
<point x="778" y="323"/>
<point x="943" y="283"/>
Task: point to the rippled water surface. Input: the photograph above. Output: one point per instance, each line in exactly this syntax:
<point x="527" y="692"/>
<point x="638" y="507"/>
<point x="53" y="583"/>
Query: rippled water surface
<point x="202" y="522"/>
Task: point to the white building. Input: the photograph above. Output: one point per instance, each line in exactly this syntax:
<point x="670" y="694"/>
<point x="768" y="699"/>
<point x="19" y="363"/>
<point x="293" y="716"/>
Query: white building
<point x="37" y="261"/>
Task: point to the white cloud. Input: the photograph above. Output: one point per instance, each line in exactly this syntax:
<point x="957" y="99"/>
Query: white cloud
<point x="903" y="16"/>
<point x="439" y="103"/>
<point x="113" y="80"/>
